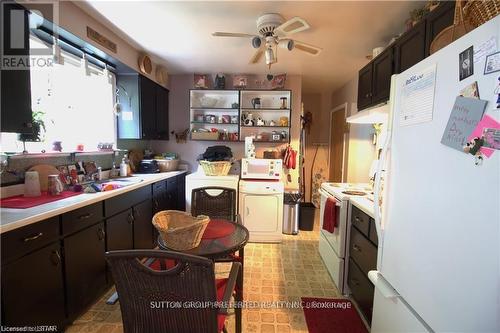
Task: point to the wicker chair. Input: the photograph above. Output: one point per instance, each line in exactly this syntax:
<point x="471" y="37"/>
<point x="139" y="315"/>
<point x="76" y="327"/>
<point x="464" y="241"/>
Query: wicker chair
<point x="150" y="297"/>
<point x="220" y="206"/>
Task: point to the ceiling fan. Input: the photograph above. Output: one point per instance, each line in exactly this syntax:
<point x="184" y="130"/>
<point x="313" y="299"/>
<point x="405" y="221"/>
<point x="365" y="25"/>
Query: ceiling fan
<point x="273" y="33"/>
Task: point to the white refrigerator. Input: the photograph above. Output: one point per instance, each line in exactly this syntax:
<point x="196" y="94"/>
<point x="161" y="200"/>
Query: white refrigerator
<point x="438" y="266"/>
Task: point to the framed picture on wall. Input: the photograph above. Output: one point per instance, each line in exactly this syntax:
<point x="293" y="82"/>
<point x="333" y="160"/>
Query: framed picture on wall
<point x="240" y="81"/>
<point x="278" y="81"/>
<point x="201" y="81"/>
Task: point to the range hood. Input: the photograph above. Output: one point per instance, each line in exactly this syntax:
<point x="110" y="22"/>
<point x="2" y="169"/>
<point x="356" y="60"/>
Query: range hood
<point x="375" y="115"/>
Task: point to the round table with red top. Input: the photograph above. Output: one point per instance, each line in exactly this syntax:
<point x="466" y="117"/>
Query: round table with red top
<point x="221" y="239"/>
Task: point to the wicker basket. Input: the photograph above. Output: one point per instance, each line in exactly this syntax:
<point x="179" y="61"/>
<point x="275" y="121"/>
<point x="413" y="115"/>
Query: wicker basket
<point x="220" y="168"/>
<point x="481" y="11"/>
<point x="180" y="231"/>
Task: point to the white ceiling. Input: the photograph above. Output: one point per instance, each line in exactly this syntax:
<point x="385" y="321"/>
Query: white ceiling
<point x="180" y="33"/>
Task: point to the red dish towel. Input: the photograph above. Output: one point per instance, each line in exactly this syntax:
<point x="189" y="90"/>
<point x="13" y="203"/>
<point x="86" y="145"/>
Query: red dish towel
<point x="329" y="215"/>
<point x="22" y="202"/>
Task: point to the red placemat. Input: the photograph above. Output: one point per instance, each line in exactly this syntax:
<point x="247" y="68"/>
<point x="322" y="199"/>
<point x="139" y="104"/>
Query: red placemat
<point x="22" y="202"/>
<point x="218" y="229"/>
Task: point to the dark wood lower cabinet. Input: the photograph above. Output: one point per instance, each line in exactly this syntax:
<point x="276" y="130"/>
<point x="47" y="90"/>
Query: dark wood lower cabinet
<point x="33" y="289"/>
<point x="120" y="232"/>
<point x="181" y="192"/>
<point x="85" y="268"/>
<point x="143" y="228"/>
<point x="53" y="270"/>
<point x="362" y="290"/>
<point x="363" y="258"/>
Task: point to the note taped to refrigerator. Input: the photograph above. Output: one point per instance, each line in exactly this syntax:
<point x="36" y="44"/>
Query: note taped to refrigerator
<point x="417" y="97"/>
<point x="465" y="116"/>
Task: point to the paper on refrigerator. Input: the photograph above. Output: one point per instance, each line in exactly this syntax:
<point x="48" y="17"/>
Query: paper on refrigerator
<point x="417" y="97"/>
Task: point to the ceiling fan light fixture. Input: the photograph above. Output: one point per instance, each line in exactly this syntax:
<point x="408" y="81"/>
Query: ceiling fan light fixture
<point x="286" y="44"/>
<point x="270" y="57"/>
<point x="256" y="42"/>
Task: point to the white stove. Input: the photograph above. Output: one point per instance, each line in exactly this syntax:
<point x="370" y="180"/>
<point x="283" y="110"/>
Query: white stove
<point x="333" y="247"/>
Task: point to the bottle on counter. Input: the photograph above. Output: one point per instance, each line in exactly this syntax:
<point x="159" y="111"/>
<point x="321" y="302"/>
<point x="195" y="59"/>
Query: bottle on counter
<point x="123" y="168"/>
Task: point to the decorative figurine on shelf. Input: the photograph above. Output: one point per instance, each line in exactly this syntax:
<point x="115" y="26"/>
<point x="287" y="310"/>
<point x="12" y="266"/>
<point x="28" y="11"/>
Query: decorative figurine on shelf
<point x="220" y="81"/>
<point x="260" y="122"/>
<point x="497" y="92"/>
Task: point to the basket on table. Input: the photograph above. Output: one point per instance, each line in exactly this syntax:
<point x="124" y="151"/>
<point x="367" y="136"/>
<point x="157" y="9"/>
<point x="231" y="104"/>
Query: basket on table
<point x="481" y="11"/>
<point x="179" y="230"/>
<point x="216" y="168"/>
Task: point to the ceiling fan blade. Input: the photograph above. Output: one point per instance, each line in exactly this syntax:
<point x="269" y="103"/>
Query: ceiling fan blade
<point x="257" y="55"/>
<point x="308" y="48"/>
<point x="231" y="34"/>
<point x="293" y="25"/>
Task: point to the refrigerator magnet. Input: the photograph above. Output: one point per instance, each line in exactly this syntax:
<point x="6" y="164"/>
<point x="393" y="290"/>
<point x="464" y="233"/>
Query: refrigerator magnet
<point x="491" y="138"/>
<point x="492" y="63"/>
<point x="466" y="63"/>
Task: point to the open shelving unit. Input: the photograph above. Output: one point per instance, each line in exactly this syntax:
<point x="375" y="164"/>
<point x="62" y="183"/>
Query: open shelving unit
<point x="218" y="115"/>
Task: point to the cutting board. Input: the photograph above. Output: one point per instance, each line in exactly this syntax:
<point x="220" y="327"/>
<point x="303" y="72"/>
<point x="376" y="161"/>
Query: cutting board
<point x="44" y="170"/>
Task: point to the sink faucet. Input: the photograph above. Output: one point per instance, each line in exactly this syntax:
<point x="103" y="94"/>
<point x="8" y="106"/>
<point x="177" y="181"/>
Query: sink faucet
<point x="97" y="175"/>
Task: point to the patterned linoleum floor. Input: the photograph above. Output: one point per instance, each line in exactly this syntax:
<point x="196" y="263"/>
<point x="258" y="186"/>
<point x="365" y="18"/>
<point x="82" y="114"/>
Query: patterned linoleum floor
<point x="273" y="272"/>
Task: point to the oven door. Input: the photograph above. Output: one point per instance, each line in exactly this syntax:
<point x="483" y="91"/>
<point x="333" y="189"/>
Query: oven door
<point x="337" y="239"/>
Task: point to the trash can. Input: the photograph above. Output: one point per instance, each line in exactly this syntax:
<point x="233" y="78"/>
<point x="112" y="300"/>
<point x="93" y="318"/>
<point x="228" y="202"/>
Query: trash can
<point x="291" y="212"/>
<point x="307" y="212"/>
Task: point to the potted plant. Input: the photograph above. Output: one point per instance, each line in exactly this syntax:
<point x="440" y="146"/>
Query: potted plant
<point x="37" y="128"/>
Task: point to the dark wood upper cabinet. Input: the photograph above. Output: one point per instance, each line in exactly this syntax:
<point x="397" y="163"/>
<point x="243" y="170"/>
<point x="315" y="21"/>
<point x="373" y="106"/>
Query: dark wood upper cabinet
<point x="409" y="49"/>
<point x="148" y="107"/>
<point x="144" y="108"/>
<point x="437" y="20"/>
<point x="382" y="70"/>
<point x="374" y="81"/>
<point x="365" y="86"/>
<point x="161" y="113"/>
<point x="15" y="94"/>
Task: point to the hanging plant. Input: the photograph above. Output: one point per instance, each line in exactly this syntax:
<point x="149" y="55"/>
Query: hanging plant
<point x="37" y="128"/>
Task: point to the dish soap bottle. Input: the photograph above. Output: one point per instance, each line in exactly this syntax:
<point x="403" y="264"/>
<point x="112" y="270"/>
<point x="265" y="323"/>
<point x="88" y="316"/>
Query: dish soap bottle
<point x="123" y="168"/>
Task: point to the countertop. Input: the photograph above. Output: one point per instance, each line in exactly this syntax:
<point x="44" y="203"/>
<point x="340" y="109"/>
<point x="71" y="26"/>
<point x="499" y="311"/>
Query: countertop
<point x="11" y="218"/>
<point x="365" y="204"/>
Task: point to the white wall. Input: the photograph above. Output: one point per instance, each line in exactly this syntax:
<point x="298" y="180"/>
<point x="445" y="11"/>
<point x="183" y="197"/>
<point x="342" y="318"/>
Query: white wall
<point x="75" y="20"/>
<point x="189" y="151"/>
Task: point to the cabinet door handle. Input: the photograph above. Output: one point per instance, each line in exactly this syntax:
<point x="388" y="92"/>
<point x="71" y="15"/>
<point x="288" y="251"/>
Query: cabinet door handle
<point x="357" y="219"/>
<point x="85" y="216"/>
<point x="55" y="257"/>
<point x="32" y="238"/>
<point x="156" y="203"/>
<point x="356" y="247"/>
<point x="367" y="95"/>
<point x="248" y="211"/>
<point x="101" y="234"/>
<point x="130" y="218"/>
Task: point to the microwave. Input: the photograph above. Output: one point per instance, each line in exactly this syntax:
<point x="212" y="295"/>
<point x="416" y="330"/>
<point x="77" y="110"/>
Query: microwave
<point x="257" y="168"/>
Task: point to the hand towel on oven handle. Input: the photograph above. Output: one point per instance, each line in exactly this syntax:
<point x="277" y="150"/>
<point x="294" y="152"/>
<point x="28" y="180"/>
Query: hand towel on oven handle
<point x="330" y="215"/>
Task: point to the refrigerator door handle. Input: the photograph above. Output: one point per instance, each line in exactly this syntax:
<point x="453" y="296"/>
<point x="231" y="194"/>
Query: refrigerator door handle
<point x="382" y="285"/>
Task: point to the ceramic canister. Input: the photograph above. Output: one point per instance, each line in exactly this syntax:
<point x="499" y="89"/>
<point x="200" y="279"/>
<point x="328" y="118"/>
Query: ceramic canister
<point x="32" y="184"/>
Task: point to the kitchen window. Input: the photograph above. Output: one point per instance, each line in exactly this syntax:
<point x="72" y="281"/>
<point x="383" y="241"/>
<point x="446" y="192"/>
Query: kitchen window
<point x="72" y="101"/>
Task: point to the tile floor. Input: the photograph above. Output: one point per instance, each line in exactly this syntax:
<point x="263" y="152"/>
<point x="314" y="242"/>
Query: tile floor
<point x="273" y="272"/>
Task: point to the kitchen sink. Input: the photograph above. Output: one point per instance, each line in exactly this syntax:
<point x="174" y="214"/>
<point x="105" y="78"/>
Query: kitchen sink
<point x="122" y="181"/>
